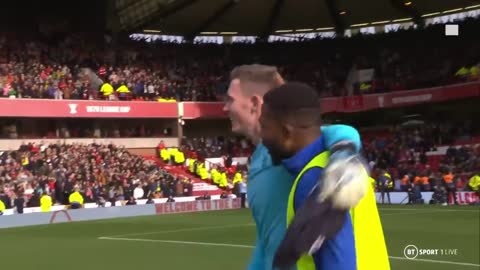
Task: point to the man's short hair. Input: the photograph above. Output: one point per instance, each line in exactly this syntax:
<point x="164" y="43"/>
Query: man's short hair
<point x="261" y="74"/>
<point x="296" y="103"/>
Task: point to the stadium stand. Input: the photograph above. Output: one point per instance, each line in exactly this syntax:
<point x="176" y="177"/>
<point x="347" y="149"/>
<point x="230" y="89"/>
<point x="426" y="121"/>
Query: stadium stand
<point x="210" y="147"/>
<point x="110" y="173"/>
<point x="82" y="66"/>
<point x="101" y="173"/>
<point x="430" y="150"/>
<point x="164" y="71"/>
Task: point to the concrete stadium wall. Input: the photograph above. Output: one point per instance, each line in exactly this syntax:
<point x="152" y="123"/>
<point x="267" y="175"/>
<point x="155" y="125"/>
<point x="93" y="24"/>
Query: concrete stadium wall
<point x="88" y="214"/>
<point x="75" y="215"/>
<point x="30" y="210"/>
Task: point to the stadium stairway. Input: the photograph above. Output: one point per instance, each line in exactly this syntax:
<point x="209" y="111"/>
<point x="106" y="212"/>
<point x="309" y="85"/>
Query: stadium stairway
<point x="199" y="186"/>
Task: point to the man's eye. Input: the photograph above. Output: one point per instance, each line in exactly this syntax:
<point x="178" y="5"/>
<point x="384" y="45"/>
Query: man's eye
<point x="229" y="99"/>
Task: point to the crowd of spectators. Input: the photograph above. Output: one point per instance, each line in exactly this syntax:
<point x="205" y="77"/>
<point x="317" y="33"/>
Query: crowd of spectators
<point x="464" y="159"/>
<point x="406" y="59"/>
<point x="403" y="151"/>
<point x="106" y="173"/>
<point x="30" y="68"/>
<point x="100" y="172"/>
<point x="214" y="147"/>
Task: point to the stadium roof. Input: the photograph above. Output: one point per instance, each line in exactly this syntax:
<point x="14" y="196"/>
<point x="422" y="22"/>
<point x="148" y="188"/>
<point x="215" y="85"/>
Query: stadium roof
<point x="263" y="17"/>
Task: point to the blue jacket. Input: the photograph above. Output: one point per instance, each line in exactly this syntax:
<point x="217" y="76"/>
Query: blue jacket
<point x="337" y="253"/>
<point x="268" y="190"/>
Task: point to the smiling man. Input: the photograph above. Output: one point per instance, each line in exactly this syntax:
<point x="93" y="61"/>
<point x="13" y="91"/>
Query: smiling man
<point x="269" y="182"/>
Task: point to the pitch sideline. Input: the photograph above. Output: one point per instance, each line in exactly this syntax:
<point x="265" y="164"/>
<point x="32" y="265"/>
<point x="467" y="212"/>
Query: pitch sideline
<point x="251" y="247"/>
<point x="180" y="230"/>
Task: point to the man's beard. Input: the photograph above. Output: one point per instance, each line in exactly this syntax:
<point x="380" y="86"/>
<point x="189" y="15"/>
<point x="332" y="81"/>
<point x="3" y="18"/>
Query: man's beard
<point x="276" y="152"/>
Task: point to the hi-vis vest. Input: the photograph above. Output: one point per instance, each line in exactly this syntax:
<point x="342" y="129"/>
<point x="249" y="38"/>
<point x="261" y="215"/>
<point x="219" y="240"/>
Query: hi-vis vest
<point x="366" y="225"/>
<point x="390" y="183"/>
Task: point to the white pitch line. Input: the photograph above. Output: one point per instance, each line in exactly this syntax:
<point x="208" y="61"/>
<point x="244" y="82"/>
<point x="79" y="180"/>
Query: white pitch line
<point x="435" y="261"/>
<point x="176" y="242"/>
<point x="476" y="210"/>
<point x="183" y="230"/>
<point x="251" y="247"/>
<point x="422" y="213"/>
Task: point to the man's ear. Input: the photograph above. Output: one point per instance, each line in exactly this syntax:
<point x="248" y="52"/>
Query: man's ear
<point x="257" y="102"/>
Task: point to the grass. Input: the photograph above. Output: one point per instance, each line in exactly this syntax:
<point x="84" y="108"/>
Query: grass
<point x="158" y="242"/>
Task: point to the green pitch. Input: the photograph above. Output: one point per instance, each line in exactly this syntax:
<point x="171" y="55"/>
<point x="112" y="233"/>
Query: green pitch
<point x="223" y="240"/>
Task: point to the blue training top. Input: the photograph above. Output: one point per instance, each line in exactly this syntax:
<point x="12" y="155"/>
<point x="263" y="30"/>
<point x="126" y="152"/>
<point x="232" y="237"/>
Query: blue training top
<point x="268" y="190"/>
<point x="337" y="253"/>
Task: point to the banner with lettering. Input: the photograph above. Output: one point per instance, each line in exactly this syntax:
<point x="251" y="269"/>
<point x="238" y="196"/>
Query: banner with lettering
<point x="193" y="110"/>
<point x="197" y="206"/>
<point x="351" y="104"/>
<point x="463" y="197"/>
<point x="85" y="109"/>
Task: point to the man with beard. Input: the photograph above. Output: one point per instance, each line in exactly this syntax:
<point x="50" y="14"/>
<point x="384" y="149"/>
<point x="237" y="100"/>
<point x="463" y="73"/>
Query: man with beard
<point x="322" y="216"/>
<point x="269" y="184"/>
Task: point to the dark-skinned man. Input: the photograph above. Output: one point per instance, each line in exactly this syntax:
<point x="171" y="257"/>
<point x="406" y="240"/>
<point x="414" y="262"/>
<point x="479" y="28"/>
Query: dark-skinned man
<point x="323" y="232"/>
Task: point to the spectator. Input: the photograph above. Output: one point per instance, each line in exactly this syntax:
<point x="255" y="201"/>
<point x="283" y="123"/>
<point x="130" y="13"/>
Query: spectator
<point x="2" y="207"/>
<point x="224" y="195"/>
<point x="150" y="200"/>
<point x="243" y="192"/>
<point x="19" y="203"/>
<point x="131" y="201"/>
<point x="46" y="202"/>
<point x="76" y="199"/>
